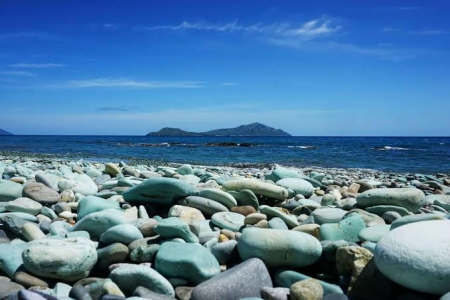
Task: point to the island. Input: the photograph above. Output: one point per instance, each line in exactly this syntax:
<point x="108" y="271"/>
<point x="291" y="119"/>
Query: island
<point x="254" y="129"/>
<point x="4" y="132"/>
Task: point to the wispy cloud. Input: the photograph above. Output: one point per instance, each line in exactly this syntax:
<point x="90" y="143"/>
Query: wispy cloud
<point x="405" y="8"/>
<point x="27" y="34"/>
<point x="108" y="109"/>
<point x="37" y="66"/>
<point x="16" y="73"/>
<point x="130" y="83"/>
<point x="429" y="32"/>
<point x="230" y="83"/>
<point x="389" y="29"/>
<point x="311" y="29"/>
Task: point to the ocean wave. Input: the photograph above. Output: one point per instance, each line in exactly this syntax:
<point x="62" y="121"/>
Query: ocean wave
<point x="303" y="147"/>
<point x="387" y="148"/>
<point x="157" y="145"/>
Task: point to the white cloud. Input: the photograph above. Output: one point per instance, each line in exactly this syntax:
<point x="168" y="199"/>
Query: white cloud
<point x="30" y="34"/>
<point x="37" y="66"/>
<point x="130" y="83"/>
<point x="428" y="32"/>
<point x="16" y="73"/>
<point x="230" y="83"/>
<point x="311" y="29"/>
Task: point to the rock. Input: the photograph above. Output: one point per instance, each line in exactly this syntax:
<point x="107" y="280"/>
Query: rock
<point x="28" y="280"/>
<point x="91" y="204"/>
<point x="10" y="289"/>
<point x="241" y="281"/>
<point x="160" y="191"/>
<point x="122" y="233"/>
<point x="409" y="198"/>
<point x="11" y="258"/>
<point x="112" y="169"/>
<point x="328" y="215"/>
<point x="290" y="220"/>
<point x="9" y="190"/>
<point x="188" y="214"/>
<point x="308" y="289"/>
<point x="278" y="248"/>
<point x="183" y="292"/>
<point x="145" y="253"/>
<point x="115" y="253"/>
<point x="219" y="196"/>
<point x="415" y="218"/>
<point x="206" y="206"/>
<point x="254" y="218"/>
<point x="277" y="223"/>
<point x="228" y="220"/>
<point x="257" y="187"/>
<point x="144" y="293"/>
<point x="223" y="252"/>
<point x="374" y="233"/>
<point x="268" y="293"/>
<point x="414" y="258"/>
<point x="245" y="197"/>
<point x="280" y="173"/>
<point x="31" y="231"/>
<point x="351" y="261"/>
<point x="128" y="277"/>
<point x="348" y="230"/>
<point x="243" y="210"/>
<point x="173" y="228"/>
<point x="66" y="259"/>
<point x="390" y="216"/>
<point x="311" y="229"/>
<point x="25" y="205"/>
<point x="299" y="186"/>
<point x="40" y="193"/>
<point x="185" y="170"/>
<point x="97" y="223"/>
<point x="381" y="209"/>
<point x="286" y="278"/>
<point x="191" y="262"/>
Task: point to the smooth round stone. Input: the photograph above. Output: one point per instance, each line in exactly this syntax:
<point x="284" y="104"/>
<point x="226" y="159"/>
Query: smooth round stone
<point x="415" y="256"/>
<point x="98" y="222"/>
<point x="277" y="223"/>
<point x="25" y="205"/>
<point x="128" y="277"/>
<point x="40" y="193"/>
<point x="275" y="293"/>
<point x="28" y="280"/>
<point x="219" y="196"/>
<point x="21" y="215"/>
<point x="242" y="281"/>
<point x="66" y="259"/>
<point x="223" y="252"/>
<point x="112" y="169"/>
<point x="245" y="197"/>
<point x="191" y="179"/>
<point x="308" y="289"/>
<point x="82" y="184"/>
<point x="123" y="233"/>
<point x="258" y="187"/>
<point x="311" y="229"/>
<point x="188" y="214"/>
<point x="390" y="216"/>
<point x="299" y="186"/>
<point x="328" y="215"/>
<point x="369" y="219"/>
<point x="11" y="258"/>
<point x="145" y="253"/>
<point x="206" y="206"/>
<point x="100" y="180"/>
<point x="271" y="212"/>
<point x="415" y="218"/>
<point x="279" y="248"/>
<point x="254" y="218"/>
<point x="160" y="191"/>
<point x="10" y="290"/>
<point x="31" y="231"/>
<point x="93" y="173"/>
<point x="192" y="262"/>
<point x="348" y="230"/>
<point x="409" y="198"/>
<point x="9" y="190"/>
<point x="174" y="227"/>
<point x="286" y="278"/>
<point x="280" y="173"/>
<point x="243" y="210"/>
<point x="374" y="233"/>
<point x="115" y="253"/>
<point x="381" y="209"/>
<point x="228" y="220"/>
<point x="440" y="200"/>
<point x="185" y="170"/>
<point x="327" y="199"/>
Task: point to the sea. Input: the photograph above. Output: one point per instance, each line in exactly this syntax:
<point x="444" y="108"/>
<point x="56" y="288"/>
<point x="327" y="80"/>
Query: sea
<point x="428" y="155"/>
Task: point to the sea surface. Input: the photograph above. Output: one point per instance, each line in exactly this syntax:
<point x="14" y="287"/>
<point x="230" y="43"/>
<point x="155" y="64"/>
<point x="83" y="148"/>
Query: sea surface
<point x="398" y="154"/>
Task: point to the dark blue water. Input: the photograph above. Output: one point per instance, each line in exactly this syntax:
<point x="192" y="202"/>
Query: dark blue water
<point x="402" y="154"/>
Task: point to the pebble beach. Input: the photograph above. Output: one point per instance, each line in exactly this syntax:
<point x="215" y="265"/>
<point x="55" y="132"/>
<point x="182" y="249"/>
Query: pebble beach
<point x="78" y="229"/>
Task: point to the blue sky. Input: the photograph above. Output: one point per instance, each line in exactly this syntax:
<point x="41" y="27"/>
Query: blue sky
<point x="308" y="67"/>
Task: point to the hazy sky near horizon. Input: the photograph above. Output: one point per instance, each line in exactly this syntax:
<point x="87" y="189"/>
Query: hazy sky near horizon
<point x="308" y="67"/>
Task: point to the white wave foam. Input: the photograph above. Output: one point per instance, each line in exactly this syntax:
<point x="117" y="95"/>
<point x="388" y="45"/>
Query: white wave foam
<point x="303" y="147"/>
<point x="385" y="148"/>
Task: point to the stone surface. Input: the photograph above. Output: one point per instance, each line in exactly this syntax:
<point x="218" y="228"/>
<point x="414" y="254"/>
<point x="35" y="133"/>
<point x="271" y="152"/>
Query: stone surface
<point x="206" y="206"/>
<point x="97" y="223"/>
<point x="415" y="218"/>
<point x="351" y="261"/>
<point x="374" y="233"/>
<point x="40" y="193"/>
<point x="228" y="220"/>
<point x="409" y="198"/>
<point x="245" y="197"/>
<point x="112" y="169"/>
<point x="11" y="258"/>
<point x="257" y="187"/>
<point x="188" y="214"/>
<point x="308" y="289"/>
<point x="122" y="233"/>
<point x="286" y="278"/>
<point x="279" y="248"/>
<point x="348" y="230"/>
<point x="9" y="190"/>
<point x="415" y="256"/>
<point x="242" y="281"/>
<point x="191" y="262"/>
<point x="160" y="191"/>
<point x="128" y="277"/>
<point x="66" y="259"/>
<point x="299" y="186"/>
<point x="115" y="253"/>
<point x="25" y="205"/>
<point x="271" y="212"/>
<point x="328" y="215"/>
<point x="175" y="228"/>
<point x="219" y="196"/>
<point x="91" y="204"/>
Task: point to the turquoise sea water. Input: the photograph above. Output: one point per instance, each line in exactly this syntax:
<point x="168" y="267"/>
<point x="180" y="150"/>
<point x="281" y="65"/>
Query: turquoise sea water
<point x="402" y="154"/>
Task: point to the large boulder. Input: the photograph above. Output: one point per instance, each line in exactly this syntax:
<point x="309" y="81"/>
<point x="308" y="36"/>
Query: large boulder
<point x="409" y="198"/>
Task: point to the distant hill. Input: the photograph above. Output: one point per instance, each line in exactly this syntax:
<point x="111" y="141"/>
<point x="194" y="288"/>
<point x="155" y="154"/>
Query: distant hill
<point x="3" y="132"/>
<point x="254" y="129"/>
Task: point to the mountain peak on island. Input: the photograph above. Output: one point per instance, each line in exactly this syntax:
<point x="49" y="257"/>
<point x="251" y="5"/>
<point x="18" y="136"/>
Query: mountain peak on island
<point x="4" y="132"/>
<point x="253" y="129"/>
